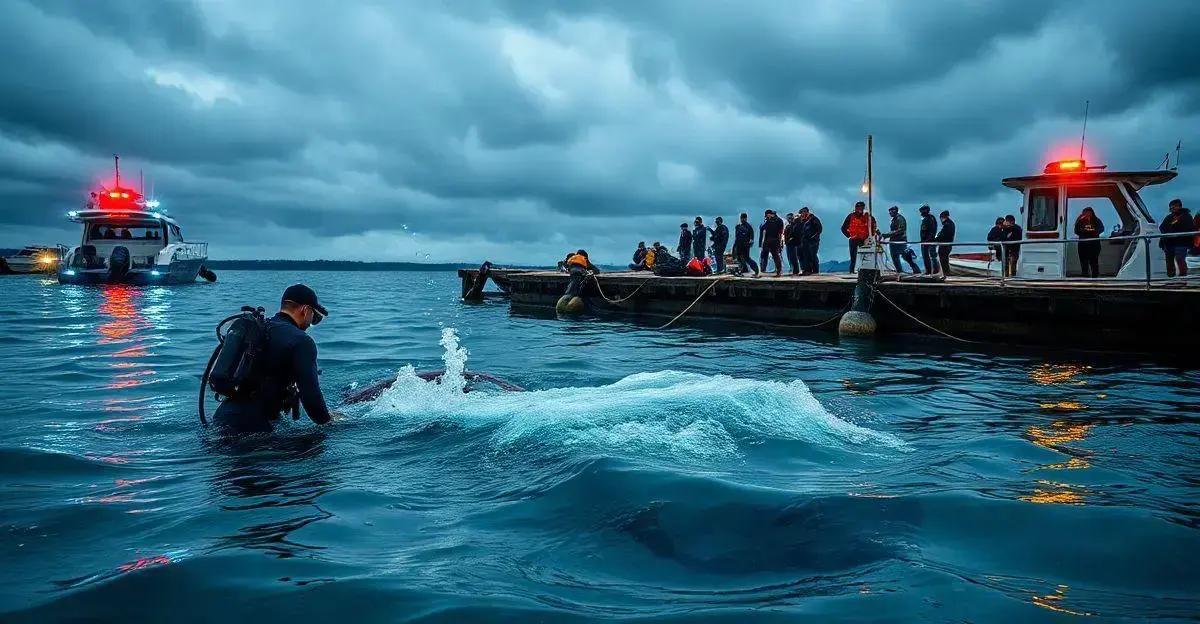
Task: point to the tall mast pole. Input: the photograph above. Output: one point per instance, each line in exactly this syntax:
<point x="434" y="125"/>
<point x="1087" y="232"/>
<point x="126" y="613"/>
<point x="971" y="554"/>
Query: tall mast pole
<point x="117" y="168"/>
<point x="870" y="186"/>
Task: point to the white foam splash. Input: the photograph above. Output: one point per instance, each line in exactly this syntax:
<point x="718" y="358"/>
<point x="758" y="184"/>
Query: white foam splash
<point x="667" y="413"/>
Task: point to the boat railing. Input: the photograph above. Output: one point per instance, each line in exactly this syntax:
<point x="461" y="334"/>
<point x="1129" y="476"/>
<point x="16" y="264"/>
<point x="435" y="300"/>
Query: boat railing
<point x="1147" y="278"/>
<point x="189" y="251"/>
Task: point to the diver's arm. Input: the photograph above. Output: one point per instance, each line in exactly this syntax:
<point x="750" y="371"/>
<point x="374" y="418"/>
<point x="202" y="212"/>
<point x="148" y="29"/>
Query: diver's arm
<point x="304" y="368"/>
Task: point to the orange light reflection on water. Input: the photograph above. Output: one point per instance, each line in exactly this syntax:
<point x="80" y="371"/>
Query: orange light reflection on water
<point x="1051" y="374"/>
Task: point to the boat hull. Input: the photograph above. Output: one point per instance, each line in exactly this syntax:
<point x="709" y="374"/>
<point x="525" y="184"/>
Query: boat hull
<point x="182" y="272"/>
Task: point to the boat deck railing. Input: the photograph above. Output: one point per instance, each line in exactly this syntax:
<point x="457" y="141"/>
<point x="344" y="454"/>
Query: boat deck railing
<point x="1145" y="240"/>
<point x="188" y="251"/>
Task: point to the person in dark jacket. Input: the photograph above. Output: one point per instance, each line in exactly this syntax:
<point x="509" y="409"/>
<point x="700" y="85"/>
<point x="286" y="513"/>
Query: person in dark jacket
<point x="743" y="241"/>
<point x="1177" y="221"/>
<point x="289" y="359"/>
<point x="791" y="242"/>
<point x="699" y="240"/>
<point x="810" y="241"/>
<point x="1089" y="227"/>
<point x="720" y="240"/>
<point x="995" y="235"/>
<point x="770" y="239"/>
<point x="1012" y="248"/>
<point x="928" y="233"/>
<point x="945" y="235"/>
<point x="639" y="258"/>
<point x="857" y="227"/>
<point x="685" y="243"/>
<point x="897" y="236"/>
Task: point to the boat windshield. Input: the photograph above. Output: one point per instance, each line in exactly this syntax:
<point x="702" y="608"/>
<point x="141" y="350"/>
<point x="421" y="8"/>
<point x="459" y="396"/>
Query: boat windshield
<point x="144" y="231"/>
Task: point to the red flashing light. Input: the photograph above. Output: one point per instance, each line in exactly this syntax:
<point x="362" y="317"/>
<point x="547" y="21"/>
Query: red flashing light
<point x="114" y="195"/>
<point x="1066" y="166"/>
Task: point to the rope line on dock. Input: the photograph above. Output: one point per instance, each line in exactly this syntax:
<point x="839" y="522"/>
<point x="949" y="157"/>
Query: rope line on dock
<point x="623" y="299"/>
<point x="693" y="304"/>
<point x="919" y="321"/>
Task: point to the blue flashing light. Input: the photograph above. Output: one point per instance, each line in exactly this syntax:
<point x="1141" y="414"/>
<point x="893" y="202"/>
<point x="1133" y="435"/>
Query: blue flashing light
<point x="69" y="272"/>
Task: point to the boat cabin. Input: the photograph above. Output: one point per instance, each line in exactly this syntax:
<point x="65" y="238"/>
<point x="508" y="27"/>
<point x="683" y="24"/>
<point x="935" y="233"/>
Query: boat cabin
<point x="1055" y="199"/>
<point x="144" y="234"/>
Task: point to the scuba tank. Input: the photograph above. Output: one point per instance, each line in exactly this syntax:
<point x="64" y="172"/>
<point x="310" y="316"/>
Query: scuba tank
<point x="232" y="370"/>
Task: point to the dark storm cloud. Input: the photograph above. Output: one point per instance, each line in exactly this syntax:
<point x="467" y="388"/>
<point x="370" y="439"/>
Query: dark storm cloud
<point x="514" y="129"/>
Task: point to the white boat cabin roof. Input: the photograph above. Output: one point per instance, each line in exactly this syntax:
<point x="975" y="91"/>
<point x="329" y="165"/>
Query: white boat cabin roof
<point x="87" y="216"/>
<point x="1138" y="179"/>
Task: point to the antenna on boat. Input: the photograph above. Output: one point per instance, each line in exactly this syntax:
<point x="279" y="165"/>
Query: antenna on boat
<point x="1178" y="147"/>
<point x="117" y="168"/>
<point x="1083" y="137"/>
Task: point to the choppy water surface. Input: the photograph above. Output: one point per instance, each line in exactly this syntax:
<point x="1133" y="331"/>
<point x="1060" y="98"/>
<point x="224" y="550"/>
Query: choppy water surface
<point x="698" y="473"/>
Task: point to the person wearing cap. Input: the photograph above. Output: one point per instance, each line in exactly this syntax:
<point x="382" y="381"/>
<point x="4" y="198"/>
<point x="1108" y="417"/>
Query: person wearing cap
<point x="897" y="236"/>
<point x="929" y="228"/>
<point x="287" y="368"/>
<point x="945" y="235"/>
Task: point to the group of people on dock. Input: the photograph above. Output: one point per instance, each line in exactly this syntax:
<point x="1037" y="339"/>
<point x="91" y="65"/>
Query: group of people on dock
<point x="797" y="236"/>
<point x="702" y="249"/>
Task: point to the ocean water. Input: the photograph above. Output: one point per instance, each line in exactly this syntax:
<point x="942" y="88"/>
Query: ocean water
<point x="706" y="473"/>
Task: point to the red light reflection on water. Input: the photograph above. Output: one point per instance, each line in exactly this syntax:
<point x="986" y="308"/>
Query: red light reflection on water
<point x="144" y="562"/>
<point x="121" y="304"/>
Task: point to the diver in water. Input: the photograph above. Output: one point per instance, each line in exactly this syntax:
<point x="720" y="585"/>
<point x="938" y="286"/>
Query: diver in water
<point x="289" y="358"/>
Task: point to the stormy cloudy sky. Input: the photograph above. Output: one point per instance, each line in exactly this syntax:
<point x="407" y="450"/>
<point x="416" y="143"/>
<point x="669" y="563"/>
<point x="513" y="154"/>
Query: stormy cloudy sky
<point x="459" y="131"/>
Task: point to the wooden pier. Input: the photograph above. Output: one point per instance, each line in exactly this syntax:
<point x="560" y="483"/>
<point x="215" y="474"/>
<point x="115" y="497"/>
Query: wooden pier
<point x="1081" y="314"/>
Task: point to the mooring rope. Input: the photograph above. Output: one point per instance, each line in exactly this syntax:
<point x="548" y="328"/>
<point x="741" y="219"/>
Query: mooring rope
<point x="919" y="321"/>
<point x="693" y="304"/>
<point x="623" y="299"/>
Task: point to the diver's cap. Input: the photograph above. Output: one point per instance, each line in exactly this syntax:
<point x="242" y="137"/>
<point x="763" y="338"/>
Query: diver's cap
<point x="303" y="295"/>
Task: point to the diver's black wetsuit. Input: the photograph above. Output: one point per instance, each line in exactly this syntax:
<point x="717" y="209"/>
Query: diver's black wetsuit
<point x="290" y="357"/>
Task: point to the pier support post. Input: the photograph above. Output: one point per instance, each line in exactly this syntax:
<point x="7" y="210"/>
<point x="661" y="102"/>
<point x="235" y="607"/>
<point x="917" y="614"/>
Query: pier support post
<point x="858" y="321"/>
<point x="474" y="292"/>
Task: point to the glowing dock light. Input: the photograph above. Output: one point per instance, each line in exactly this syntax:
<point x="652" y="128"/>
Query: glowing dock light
<point x="154" y="273"/>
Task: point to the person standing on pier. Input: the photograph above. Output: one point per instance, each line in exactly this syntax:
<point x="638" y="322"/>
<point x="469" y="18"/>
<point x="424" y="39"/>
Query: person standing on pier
<point x="995" y="235"/>
<point x="770" y="238"/>
<point x="743" y="242"/>
<point x="928" y="233"/>
<point x="857" y="228"/>
<point x="1177" y="221"/>
<point x="1012" y="250"/>
<point x="685" y="243"/>
<point x="791" y="241"/>
<point x="898" y="240"/>
<point x="810" y="242"/>
<point x="1088" y="228"/>
<point x="699" y="240"/>
<point x="946" y="235"/>
<point x="720" y="240"/>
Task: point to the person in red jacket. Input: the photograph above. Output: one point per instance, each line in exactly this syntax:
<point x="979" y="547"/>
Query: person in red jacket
<point x="857" y="227"/>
